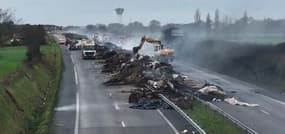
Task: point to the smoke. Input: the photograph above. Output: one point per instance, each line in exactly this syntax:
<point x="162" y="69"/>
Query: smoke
<point x="128" y="42"/>
<point x="241" y="58"/>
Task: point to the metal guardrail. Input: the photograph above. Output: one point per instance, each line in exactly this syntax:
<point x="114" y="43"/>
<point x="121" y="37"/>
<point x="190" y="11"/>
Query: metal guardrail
<point x="231" y="118"/>
<point x="183" y="114"/>
<point x="226" y="115"/>
<point x="213" y="107"/>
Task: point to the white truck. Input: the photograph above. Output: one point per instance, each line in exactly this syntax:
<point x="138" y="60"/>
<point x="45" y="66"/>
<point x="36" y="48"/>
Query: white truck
<point x="88" y="49"/>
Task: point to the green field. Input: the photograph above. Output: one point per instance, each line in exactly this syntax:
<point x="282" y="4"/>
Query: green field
<point x="212" y="122"/>
<point x="11" y="58"/>
<point x="261" y="40"/>
<point x="28" y="97"/>
<point x="269" y="40"/>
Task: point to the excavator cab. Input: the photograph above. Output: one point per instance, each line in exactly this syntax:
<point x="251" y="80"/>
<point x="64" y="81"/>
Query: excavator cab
<point x="157" y="48"/>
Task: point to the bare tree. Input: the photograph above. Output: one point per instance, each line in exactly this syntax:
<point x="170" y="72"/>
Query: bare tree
<point x="245" y="18"/>
<point x="33" y="37"/>
<point x="154" y="25"/>
<point x="208" y="22"/>
<point x="7" y="16"/>
<point x="91" y="28"/>
<point x="217" y="19"/>
<point x="7" y="19"/>
<point x="135" y="26"/>
<point x="197" y="17"/>
<point x="102" y="27"/>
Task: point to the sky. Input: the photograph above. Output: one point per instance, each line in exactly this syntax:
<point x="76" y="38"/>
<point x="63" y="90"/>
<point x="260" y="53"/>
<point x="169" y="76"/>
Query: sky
<point x="83" y="12"/>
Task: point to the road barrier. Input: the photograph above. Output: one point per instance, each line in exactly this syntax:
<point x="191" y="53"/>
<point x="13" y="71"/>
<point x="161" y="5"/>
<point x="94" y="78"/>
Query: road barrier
<point x="213" y="107"/>
<point x="247" y="129"/>
<point x="183" y="114"/>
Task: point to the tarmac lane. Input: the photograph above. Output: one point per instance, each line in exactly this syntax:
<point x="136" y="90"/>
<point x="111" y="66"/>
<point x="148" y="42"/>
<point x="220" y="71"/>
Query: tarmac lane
<point x="267" y="118"/>
<point x="64" y="119"/>
<point x="94" y="108"/>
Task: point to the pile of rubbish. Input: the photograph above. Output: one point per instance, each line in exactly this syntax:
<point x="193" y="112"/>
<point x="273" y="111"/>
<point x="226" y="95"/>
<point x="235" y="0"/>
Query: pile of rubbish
<point x="211" y="92"/>
<point x="146" y="99"/>
<point x="153" y="77"/>
<point x="234" y="101"/>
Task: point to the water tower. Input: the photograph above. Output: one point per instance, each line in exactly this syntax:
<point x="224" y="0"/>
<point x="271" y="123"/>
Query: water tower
<point x="119" y="12"/>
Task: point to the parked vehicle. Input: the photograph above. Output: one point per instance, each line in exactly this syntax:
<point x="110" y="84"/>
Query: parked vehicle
<point x="88" y="49"/>
<point x="75" y="45"/>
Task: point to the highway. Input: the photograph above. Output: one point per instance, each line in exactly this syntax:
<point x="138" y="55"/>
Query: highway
<point x="268" y="118"/>
<point x="86" y="106"/>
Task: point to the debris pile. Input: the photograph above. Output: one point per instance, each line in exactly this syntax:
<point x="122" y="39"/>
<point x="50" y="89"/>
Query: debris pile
<point x="146" y="99"/>
<point x="152" y="78"/>
<point x="211" y="92"/>
<point x="234" y="101"/>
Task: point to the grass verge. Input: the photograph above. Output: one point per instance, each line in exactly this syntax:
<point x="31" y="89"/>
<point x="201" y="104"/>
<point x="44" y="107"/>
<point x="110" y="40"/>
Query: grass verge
<point x="11" y="58"/>
<point x="211" y="121"/>
<point x="27" y="94"/>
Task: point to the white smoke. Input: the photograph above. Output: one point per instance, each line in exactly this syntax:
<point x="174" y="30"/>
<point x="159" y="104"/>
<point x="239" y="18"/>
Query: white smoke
<point x="129" y="43"/>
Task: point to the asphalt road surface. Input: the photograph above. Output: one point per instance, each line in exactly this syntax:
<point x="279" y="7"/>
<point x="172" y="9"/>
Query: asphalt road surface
<point x="86" y="106"/>
<point x="268" y="118"/>
<point x="64" y="119"/>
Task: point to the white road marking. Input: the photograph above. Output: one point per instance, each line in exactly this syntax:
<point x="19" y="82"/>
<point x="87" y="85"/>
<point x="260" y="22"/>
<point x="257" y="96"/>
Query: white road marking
<point x="265" y="112"/>
<point x="72" y="59"/>
<point x="277" y="101"/>
<point x="168" y="122"/>
<point x="76" y="128"/>
<point x="123" y="124"/>
<point x="75" y="75"/>
<point x="65" y="108"/>
<point x="184" y="131"/>
<point x="116" y="106"/>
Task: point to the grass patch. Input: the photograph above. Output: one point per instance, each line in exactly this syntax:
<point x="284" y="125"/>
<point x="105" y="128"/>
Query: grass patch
<point x="26" y="104"/>
<point x="53" y="54"/>
<point x="211" y="121"/>
<point x="11" y="58"/>
<point x="268" y="40"/>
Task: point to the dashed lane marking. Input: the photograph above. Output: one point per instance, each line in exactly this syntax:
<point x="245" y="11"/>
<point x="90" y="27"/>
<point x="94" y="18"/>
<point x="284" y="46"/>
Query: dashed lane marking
<point x="265" y="112"/>
<point x="116" y="106"/>
<point x="76" y="128"/>
<point x="75" y="76"/>
<point x="123" y="124"/>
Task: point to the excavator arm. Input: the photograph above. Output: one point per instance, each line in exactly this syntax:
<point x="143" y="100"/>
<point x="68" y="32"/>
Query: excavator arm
<point x="149" y="40"/>
<point x="164" y="54"/>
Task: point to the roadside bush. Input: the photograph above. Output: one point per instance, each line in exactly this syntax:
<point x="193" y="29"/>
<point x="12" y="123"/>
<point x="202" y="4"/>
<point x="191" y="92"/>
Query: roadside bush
<point x="33" y="36"/>
<point x="263" y="65"/>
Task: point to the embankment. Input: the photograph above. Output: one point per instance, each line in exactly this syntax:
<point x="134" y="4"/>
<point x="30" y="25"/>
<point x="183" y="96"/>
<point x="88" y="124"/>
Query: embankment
<point x="28" y="93"/>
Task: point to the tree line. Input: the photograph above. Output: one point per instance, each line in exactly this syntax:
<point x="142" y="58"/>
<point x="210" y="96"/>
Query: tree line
<point x="211" y="26"/>
<point x="13" y="34"/>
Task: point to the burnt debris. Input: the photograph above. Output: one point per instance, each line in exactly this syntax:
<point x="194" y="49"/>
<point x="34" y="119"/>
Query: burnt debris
<point x="152" y="77"/>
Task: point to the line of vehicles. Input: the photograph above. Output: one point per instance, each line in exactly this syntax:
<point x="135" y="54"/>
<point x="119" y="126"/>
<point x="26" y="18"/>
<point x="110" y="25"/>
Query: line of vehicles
<point x="87" y="47"/>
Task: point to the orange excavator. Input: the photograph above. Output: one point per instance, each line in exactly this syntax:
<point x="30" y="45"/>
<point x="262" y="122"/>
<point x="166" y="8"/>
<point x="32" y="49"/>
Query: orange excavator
<point x="162" y="54"/>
